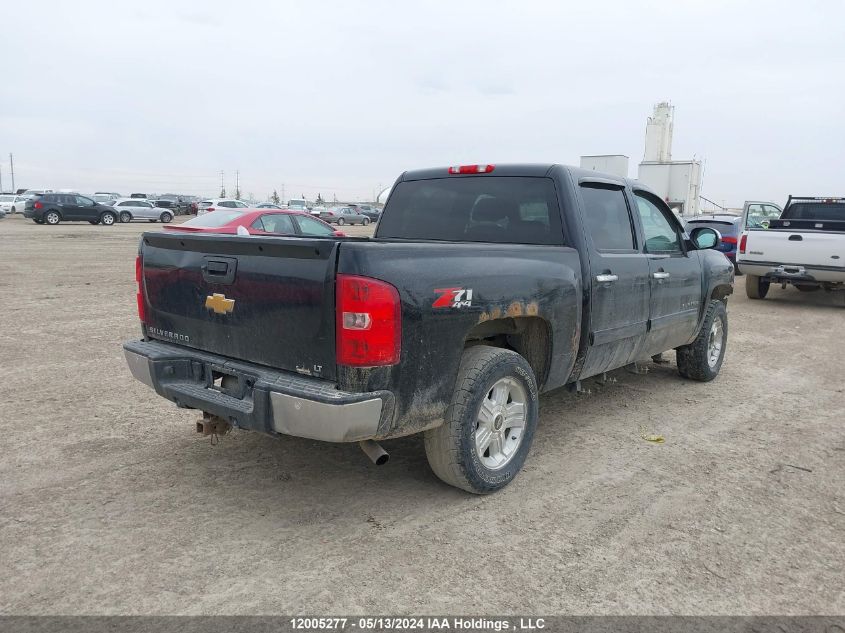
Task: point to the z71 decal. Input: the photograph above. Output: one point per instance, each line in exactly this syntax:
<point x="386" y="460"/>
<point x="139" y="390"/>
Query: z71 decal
<point x="453" y="298"/>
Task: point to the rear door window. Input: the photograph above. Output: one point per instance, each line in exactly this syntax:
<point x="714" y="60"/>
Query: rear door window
<point x="498" y="209"/>
<point x="277" y="223"/>
<point x="607" y="218"/>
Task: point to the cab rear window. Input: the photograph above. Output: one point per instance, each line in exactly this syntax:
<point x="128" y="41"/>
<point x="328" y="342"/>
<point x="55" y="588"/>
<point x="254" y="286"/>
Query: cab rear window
<point x="498" y="209"/>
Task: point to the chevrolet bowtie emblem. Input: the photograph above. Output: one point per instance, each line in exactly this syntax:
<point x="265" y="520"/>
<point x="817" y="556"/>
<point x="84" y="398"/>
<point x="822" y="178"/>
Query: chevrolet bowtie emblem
<point x="219" y="303"/>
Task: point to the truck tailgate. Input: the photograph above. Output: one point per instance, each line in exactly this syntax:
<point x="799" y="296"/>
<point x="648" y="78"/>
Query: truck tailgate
<point x="266" y="300"/>
<point x="805" y="248"/>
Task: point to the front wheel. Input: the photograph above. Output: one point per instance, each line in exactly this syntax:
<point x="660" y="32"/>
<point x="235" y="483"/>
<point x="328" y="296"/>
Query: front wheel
<point x="702" y="359"/>
<point x="108" y="218"/>
<point x="756" y="287"/>
<point x="365" y="221"/>
<point x="341" y="221"/>
<point x="166" y="217"/>
<point x="489" y="424"/>
<point x="125" y="217"/>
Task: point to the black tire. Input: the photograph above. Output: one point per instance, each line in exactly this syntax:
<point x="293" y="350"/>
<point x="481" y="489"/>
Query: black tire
<point x="166" y="217"/>
<point x="756" y="287"/>
<point x="451" y="448"/>
<point x="696" y="360"/>
<point x="807" y="287"/>
<point x="125" y="217"/>
<point x="365" y="221"/>
<point x="108" y="218"/>
<point x="52" y="218"/>
<point x="341" y="221"/>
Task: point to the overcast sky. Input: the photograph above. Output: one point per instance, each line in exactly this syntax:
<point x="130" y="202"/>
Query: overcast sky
<point x="341" y="97"/>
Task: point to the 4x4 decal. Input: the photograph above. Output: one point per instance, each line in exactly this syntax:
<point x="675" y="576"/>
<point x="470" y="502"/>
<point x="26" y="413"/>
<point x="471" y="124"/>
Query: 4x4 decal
<point x="453" y="298"/>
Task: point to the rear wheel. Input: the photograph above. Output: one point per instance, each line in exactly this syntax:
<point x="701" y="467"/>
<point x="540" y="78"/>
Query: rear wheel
<point x="365" y="221"/>
<point x="702" y="359"/>
<point x="166" y="217"/>
<point x="341" y="221"/>
<point x="108" y="218"/>
<point x="52" y="218"/>
<point x="756" y="287"/>
<point x="125" y="217"/>
<point x="490" y="422"/>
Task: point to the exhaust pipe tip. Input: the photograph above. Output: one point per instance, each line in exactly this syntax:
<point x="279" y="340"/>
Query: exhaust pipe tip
<point x="375" y="452"/>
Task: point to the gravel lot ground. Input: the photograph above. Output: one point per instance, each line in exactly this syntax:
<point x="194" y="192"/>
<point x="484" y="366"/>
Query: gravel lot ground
<point x="110" y="503"/>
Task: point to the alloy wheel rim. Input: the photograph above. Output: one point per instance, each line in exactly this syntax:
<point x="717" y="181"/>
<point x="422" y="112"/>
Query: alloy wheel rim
<point x="500" y="423"/>
<point x="714" y="343"/>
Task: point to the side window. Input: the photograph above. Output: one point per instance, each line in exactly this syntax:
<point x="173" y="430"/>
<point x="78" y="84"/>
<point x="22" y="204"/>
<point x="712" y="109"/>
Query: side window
<point x="258" y="224"/>
<point x="146" y="205"/>
<point x="82" y="201"/>
<point x="771" y="212"/>
<point x="225" y="204"/>
<point x="309" y="226"/>
<point x="661" y="235"/>
<point x="278" y="223"/>
<point x="607" y="218"/>
<point x="240" y="205"/>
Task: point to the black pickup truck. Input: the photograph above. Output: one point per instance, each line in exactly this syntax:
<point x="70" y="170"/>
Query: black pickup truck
<point x="482" y="287"/>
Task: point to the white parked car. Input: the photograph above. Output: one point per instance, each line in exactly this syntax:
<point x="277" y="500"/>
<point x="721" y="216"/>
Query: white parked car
<point x="206" y="206"/>
<point x="129" y="209"/>
<point x="11" y="203"/>
<point x="317" y="211"/>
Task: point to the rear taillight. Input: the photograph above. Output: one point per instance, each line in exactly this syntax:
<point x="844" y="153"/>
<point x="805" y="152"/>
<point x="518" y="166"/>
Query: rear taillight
<point x="38" y="205"/>
<point x="729" y="240"/>
<point x="742" y="241"/>
<point x="471" y="169"/>
<point x="139" y="295"/>
<point x="209" y="209"/>
<point x="369" y="322"/>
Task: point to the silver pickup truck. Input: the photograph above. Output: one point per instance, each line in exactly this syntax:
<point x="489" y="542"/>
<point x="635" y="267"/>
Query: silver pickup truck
<point x="804" y="247"/>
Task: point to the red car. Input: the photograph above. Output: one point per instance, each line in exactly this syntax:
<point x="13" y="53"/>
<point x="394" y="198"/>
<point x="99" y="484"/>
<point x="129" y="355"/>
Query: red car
<point x="258" y="222"/>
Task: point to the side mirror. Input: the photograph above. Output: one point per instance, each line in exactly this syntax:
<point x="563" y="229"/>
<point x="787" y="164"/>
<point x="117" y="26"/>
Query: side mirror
<point x="704" y="237"/>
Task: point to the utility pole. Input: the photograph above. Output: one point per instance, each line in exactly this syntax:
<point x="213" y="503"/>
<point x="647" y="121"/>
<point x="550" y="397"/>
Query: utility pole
<point x="12" y="169"/>
<point x="237" y="185"/>
<point x="222" y="184"/>
<point x="1" y="179"/>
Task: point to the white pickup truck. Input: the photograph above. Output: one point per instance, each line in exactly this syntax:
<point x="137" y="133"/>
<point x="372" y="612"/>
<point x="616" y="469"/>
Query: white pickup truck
<point x="804" y="247"/>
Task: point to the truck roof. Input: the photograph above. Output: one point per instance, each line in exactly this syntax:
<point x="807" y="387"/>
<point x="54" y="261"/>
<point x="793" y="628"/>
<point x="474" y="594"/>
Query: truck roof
<point x="536" y="170"/>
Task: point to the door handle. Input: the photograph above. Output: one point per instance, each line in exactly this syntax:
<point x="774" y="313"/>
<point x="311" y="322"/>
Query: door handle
<point x="660" y="275"/>
<point x="605" y="278"/>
